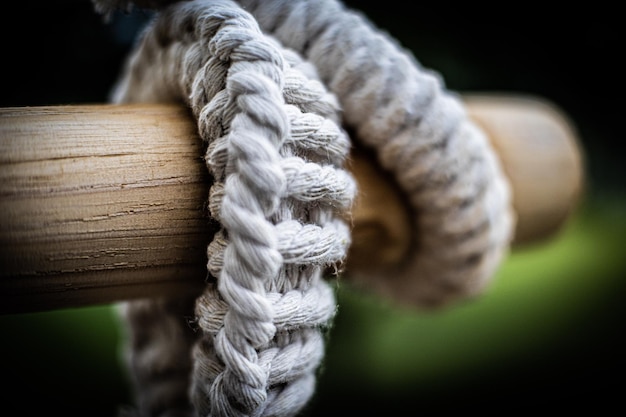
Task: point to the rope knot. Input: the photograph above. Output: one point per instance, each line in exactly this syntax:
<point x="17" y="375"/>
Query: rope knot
<point x="276" y="149"/>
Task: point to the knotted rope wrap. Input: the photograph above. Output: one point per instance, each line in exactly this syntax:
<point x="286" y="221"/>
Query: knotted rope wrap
<point x="280" y="194"/>
<point x="461" y="200"/>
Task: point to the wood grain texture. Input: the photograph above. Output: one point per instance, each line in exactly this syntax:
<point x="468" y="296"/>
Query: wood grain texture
<point x="99" y="203"/>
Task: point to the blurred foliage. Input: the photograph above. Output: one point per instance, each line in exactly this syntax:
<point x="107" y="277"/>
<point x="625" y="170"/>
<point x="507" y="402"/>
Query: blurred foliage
<point x="547" y="334"/>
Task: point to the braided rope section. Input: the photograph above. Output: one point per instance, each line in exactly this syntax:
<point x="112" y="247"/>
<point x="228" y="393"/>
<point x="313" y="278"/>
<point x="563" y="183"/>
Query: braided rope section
<point x="461" y="200"/>
<point x="280" y="194"/>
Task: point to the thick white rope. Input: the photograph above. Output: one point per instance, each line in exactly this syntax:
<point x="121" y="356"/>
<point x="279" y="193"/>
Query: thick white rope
<point x="280" y="194"/>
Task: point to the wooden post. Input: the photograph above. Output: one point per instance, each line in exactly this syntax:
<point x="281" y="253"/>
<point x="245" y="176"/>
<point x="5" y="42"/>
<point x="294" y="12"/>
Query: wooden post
<point x="103" y="203"/>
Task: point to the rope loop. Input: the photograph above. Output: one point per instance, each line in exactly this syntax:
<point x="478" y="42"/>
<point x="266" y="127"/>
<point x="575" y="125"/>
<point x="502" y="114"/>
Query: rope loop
<point x="458" y="193"/>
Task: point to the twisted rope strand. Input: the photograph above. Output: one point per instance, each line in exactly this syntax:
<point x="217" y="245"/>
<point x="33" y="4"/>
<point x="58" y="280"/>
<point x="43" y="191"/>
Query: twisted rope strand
<point x="158" y="354"/>
<point x="293" y="309"/>
<point x="279" y="198"/>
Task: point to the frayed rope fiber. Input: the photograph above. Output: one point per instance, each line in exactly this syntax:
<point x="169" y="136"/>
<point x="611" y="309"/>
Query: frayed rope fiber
<point x="272" y="85"/>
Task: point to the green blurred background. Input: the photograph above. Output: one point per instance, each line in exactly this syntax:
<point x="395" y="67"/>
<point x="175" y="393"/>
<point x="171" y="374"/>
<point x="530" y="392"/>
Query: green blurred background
<point x="547" y="335"/>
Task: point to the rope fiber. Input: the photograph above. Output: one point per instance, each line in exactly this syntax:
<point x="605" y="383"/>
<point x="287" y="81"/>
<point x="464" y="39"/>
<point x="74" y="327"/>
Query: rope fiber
<point x="272" y="85"/>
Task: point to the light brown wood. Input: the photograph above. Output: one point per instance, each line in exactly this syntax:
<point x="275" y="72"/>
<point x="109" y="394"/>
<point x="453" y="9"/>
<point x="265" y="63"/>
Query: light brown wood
<point x="99" y="203"/>
<point x="541" y="155"/>
<point x="104" y="203"/>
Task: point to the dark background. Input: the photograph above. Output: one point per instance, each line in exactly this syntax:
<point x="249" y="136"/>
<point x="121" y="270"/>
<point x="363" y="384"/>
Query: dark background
<point x="62" y="52"/>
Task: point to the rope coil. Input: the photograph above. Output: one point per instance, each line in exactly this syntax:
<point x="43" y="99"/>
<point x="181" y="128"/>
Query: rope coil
<point x="272" y="85"/>
<point x="461" y="200"/>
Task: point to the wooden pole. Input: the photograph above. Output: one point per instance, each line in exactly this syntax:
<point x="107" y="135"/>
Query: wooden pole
<point x="103" y="203"/>
<point x="541" y="155"/>
<point x="99" y="203"/>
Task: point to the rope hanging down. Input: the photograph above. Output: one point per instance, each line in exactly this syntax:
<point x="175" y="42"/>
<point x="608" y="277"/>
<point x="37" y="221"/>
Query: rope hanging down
<point x="276" y="152"/>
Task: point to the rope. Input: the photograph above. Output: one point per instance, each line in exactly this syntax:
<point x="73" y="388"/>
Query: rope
<point x="254" y="75"/>
<point x="279" y="192"/>
<point x="452" y="179"/>
<point x="158" y="342"/>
